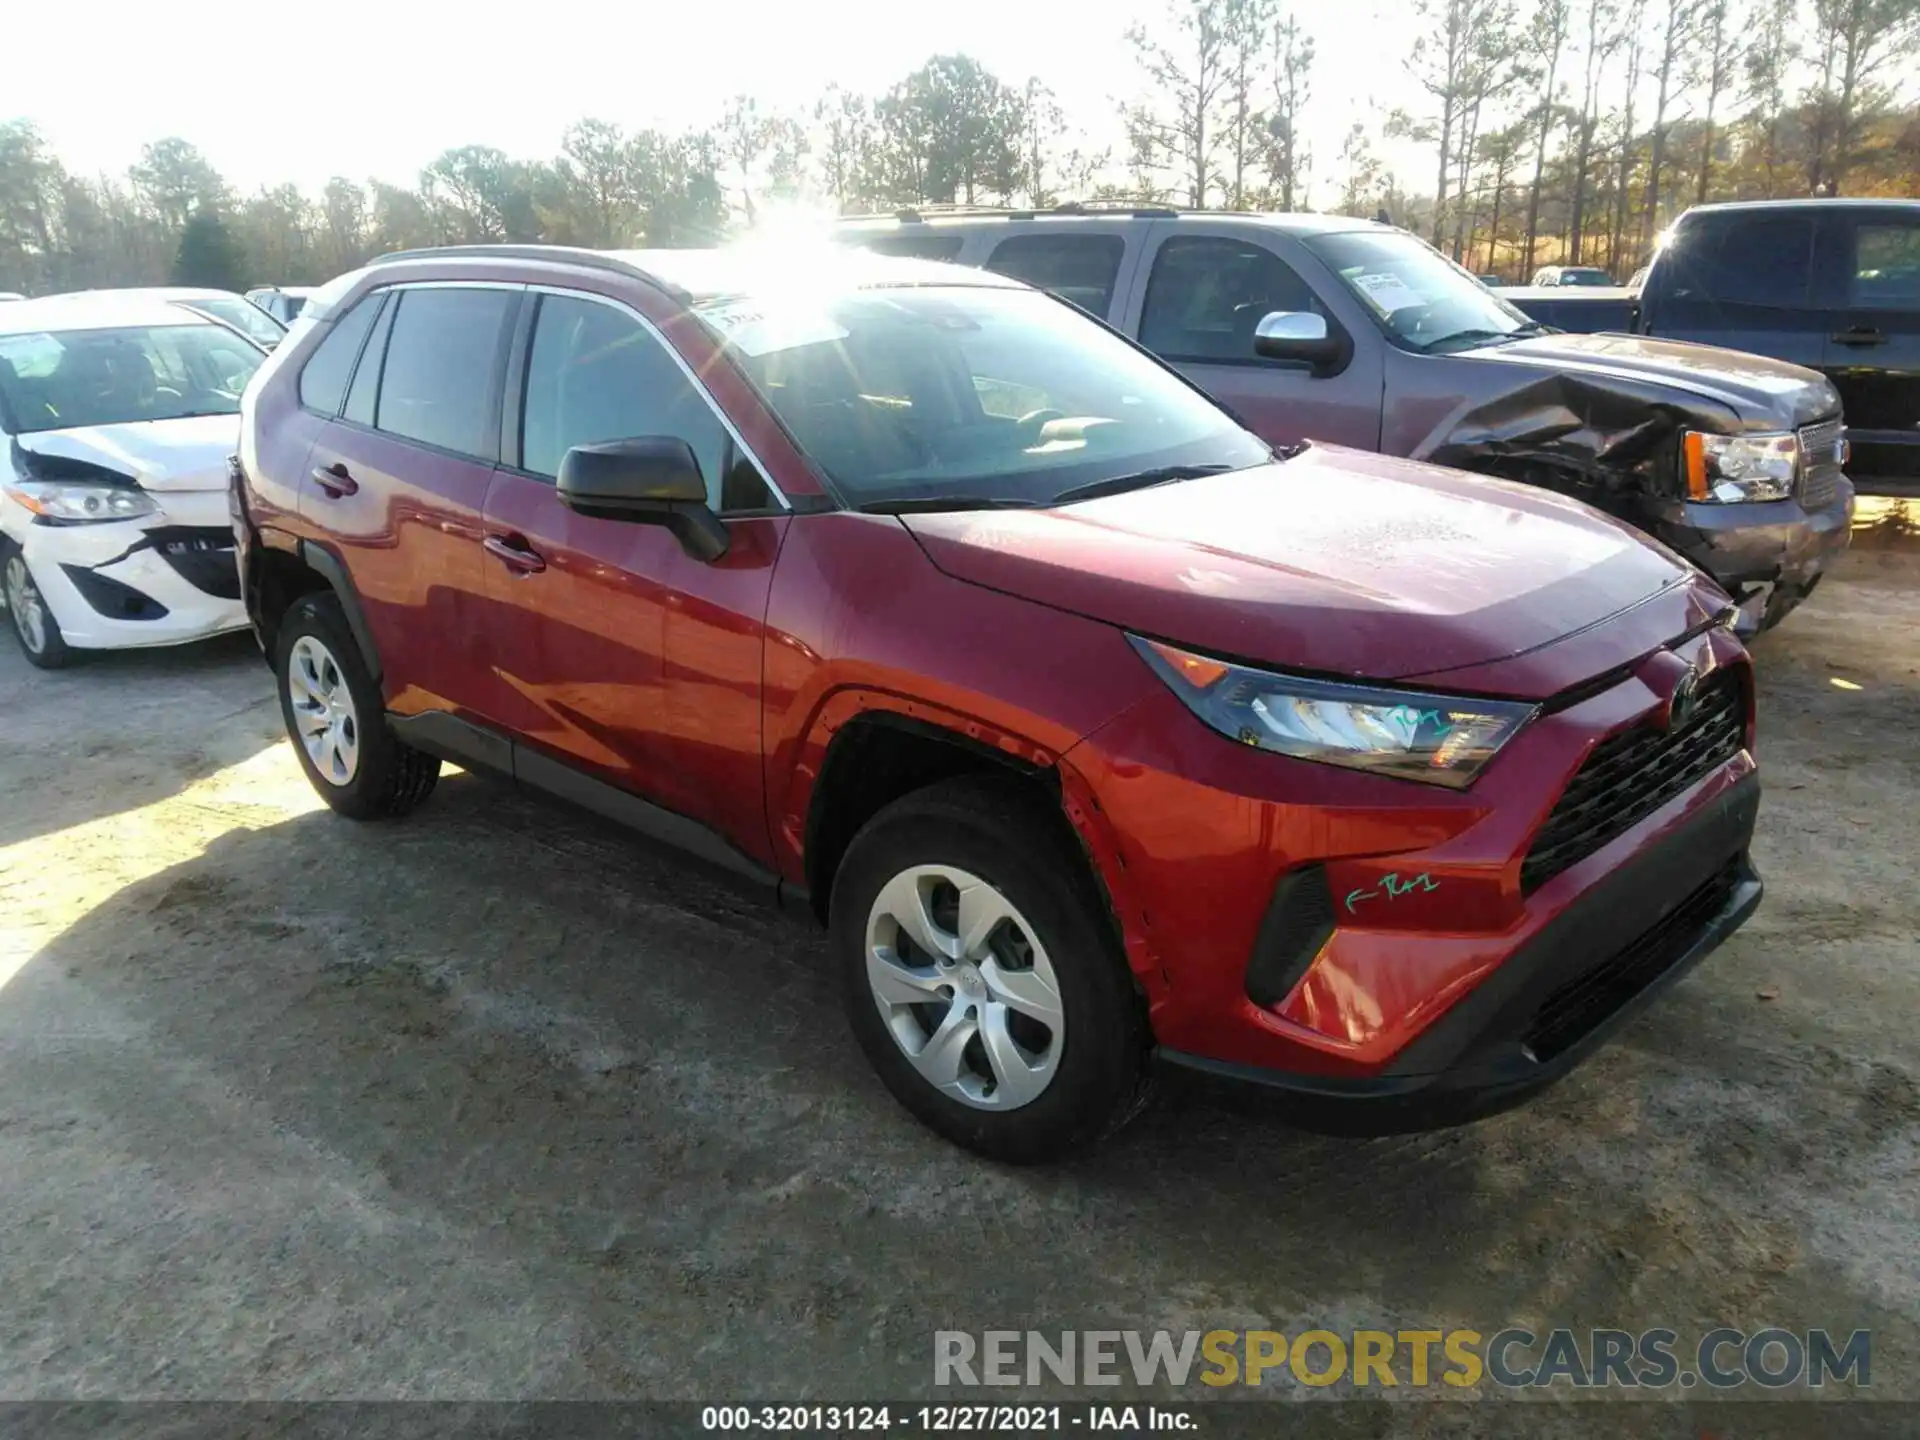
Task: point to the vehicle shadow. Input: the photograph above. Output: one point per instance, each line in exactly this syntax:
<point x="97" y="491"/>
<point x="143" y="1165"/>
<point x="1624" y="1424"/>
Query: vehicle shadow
<point x="601" y="1066"/>
<point x="122" y="729"/>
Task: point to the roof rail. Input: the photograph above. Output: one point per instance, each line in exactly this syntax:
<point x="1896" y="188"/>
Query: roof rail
<point x="918" y="214"/>
<point x="560" y="254"/>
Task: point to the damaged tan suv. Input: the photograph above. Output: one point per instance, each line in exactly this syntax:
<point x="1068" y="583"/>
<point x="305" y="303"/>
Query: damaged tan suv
<point x="1354" y="333"/>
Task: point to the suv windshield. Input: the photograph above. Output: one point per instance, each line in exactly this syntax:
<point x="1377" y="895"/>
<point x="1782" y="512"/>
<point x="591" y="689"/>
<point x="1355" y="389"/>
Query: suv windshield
<point x="249" y="319"/>
<point x="1422" y="300"/>
<point x="1585" y="277"/>
<point x="969" y="395"/>
<point x="55" y="380"/>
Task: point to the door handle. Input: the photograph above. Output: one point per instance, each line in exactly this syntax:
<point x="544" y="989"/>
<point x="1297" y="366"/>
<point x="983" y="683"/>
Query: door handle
<point x="515" y="554"/>
<point x="335" y="480"/>
<point x="1859" y="335"/>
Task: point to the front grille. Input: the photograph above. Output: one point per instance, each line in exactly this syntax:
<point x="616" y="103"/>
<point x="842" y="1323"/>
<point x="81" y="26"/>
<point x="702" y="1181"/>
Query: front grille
<point x="1630" y="775"/>
<point x="1578" y="1006"/>
<point x="202" y="555"/>
<point x="1821" y="449"/>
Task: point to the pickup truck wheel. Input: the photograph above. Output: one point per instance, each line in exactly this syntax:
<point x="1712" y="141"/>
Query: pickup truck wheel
<point x="981" y="979"/>
<point x="337" y="721"/>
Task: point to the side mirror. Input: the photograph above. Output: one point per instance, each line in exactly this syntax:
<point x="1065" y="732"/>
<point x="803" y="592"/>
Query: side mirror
<point x="1301" y="336"/>
<point x="652" y="480"/>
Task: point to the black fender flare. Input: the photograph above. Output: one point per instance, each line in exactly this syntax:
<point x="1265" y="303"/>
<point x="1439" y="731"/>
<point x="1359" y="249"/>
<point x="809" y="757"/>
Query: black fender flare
<point x="331" y="568"/>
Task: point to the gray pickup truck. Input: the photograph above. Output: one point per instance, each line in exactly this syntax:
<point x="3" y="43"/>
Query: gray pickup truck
<point x="1353" y="333"/>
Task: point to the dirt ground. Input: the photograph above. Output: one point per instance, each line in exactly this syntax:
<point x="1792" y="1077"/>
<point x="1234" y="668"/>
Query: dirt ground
<point x="498" y="1102"/>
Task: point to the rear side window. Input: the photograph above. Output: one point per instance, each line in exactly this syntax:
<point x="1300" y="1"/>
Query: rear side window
<point x="1080" y="268"/>
<point x="323" y="379"/>
<point x="595" y="373"/>
<point x="1886" y="266"/>
<point x="1205" y="296"/>
<point x="437" y="382"/>
<point x="917" y="247"/>
<point x="1746" y="260"/>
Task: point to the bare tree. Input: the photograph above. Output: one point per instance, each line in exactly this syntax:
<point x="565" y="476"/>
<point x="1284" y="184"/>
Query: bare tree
<point x="1547" y="38"/>
<point x="1287" y="157"/>
<point x="1716" y="66"/>
<point x="1189" y="71"/>
<point x="1677" y="36"/>
<point x="1597" y="18"/>
<point x="1769" y="60"/>
<point x="1857" y="40"/>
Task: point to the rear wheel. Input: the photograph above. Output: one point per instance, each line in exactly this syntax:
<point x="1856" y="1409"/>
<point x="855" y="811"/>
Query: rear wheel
<point x="980" y="976"/>
<point x="33" y="623"/>
<point x="337" y="722"/>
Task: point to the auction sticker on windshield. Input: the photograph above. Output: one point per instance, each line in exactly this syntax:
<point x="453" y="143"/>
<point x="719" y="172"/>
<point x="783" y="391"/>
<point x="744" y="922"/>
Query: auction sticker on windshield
<point x="751" y="328"/>
<point x="1387" y="293"/>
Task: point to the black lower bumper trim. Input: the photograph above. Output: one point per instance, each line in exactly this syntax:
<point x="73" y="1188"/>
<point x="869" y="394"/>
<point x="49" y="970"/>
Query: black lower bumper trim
<point x="1597" y="964"/>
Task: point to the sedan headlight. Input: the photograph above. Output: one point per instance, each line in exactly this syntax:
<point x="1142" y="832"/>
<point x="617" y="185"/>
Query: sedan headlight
<point x="1733" y="468"/>
<point x="68" y="502"/>
<point x="1437" y="739"/>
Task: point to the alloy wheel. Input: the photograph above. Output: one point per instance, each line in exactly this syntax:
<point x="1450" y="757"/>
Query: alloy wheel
<point x="965" y="987"/>
<point x="323" y="713"/>
<point x="24" y="602"/>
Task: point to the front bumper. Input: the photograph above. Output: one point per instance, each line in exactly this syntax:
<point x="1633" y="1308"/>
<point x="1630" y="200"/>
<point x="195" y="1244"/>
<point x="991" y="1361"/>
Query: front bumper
<point x="1353" y="938"/>
<point x="1594" y="966"/>
<point x="1774" y="542"/>
<point x="164" y="579"/>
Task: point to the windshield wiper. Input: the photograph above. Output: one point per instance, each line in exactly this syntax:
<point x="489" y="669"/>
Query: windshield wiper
<point x="1139" y="480"/>
<point x="923" y="504"/>
<point x="1481" y="337"/>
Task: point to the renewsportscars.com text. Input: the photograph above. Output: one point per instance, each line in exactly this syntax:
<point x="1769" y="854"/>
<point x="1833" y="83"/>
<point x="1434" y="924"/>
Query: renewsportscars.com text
<point x="1513" y="1358"/>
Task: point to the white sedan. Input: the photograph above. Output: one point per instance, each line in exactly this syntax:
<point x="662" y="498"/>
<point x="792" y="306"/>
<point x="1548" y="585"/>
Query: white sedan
<point x="117" y="416"/>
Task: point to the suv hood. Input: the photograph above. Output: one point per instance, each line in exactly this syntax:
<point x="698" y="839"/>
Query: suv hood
<point x="159" y="455"/>
<point x="1762" y="394"/>
<point x="1337" y="561"/>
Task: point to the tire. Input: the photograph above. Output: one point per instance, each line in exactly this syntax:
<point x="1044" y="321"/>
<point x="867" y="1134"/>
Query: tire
<point x="1091" y="1070"/>
<point x="360" y="767"/>
<point x="32" y="619"/>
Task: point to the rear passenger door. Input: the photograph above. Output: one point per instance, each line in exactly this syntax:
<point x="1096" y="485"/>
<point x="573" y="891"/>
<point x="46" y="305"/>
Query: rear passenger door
<point x="397" y="481"/>
<point x="1079" y="266"/>
<point x="1743" y="279"/>
<point x="1873" y="357"/>
<point x="1203" y="296"/>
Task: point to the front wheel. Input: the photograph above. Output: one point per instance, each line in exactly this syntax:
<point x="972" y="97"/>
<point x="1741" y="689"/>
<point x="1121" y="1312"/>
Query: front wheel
<point x="336" y="719"/>
<point x="33" y="623"/>
<point x="980" y="976"/>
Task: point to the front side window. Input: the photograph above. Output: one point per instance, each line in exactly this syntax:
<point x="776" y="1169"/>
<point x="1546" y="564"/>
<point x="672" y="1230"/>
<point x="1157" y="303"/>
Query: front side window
<point x="1205" y="296"/>
<point x="61" y="379"/>
<point x="940" y="393"/>
<point x="594" y="373"/>
<point x="1744" y="260"/>
<point x="1886" y="266"/>
<point x="436" y="383"/>
<point x="1079" y="268"/>
<point x="1418" y="297"/>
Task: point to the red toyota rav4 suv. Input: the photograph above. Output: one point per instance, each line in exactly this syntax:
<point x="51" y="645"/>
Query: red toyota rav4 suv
<point x="1092" y="727"/>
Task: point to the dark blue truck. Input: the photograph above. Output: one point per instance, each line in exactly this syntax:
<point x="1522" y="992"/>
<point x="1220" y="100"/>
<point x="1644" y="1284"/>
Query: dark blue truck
<point x="1833" y="285"/>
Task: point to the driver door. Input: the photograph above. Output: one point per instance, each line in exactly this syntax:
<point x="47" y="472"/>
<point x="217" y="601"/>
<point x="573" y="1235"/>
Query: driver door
<point x="1201" y="299"/>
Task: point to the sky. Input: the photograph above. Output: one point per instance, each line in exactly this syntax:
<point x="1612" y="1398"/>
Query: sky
<point x="377" y="88"/>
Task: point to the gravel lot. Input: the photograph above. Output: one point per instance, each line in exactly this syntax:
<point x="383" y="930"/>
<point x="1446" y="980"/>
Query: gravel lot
<point x="497" y="1102"/>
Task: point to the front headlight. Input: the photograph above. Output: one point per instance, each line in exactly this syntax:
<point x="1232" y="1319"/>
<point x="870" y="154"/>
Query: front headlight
<point x="1732" y="468"/>
<point x="1437" y="739"/>
<point x="67" y="502"/>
